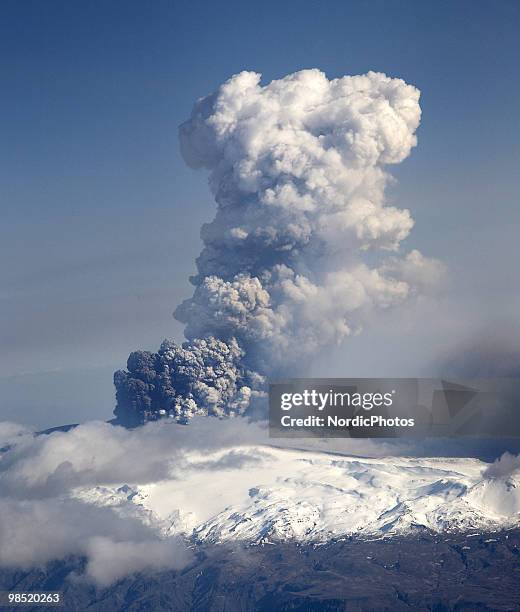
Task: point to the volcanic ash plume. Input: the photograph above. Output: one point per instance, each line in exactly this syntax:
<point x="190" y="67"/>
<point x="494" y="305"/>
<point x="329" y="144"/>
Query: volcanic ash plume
<point x="297" y="169"/>
<point x="204" y="376"/>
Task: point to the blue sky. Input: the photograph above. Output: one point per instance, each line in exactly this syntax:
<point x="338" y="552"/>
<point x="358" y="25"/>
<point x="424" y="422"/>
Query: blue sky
<point x="100" y="216"/>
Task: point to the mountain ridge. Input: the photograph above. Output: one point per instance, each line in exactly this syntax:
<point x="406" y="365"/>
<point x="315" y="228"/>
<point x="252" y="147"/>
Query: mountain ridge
<point x="258" y="493"/>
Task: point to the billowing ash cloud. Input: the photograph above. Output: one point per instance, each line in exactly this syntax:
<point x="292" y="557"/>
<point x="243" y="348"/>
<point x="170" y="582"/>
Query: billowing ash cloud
<point x="201" y="377"/>
<point x="292" y="260"/>
<point x="297" y="171"/>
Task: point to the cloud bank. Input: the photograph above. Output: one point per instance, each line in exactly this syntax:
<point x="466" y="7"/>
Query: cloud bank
<point x="35" y="532"/>
<point x="42" y="518"/>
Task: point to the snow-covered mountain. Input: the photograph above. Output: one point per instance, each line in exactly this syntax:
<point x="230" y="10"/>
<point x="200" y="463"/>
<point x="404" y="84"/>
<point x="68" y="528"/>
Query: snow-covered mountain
<point x="264" y="494"/>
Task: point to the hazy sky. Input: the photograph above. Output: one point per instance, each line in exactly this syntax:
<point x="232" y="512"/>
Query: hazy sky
<point x="100" y="216"/>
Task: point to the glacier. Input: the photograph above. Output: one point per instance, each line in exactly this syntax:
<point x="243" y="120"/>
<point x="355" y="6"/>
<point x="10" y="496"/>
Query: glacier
<point x="260" y="494"/>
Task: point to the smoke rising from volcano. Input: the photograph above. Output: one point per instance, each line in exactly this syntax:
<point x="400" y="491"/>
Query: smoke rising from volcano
<point x="297" y="172"/>
<point x="204" y="375"/>
<point x="303" y="247"/>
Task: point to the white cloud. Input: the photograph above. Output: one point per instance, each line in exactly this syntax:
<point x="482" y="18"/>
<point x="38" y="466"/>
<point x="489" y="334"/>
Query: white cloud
<point x="109" y="561"/>
<point x="503" y="467"/>
<point x="12" y="432"/>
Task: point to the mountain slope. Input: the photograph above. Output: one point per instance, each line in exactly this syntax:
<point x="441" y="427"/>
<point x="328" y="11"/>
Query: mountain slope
<point x="260" y="494"/>
<point x="404" y="573"/>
